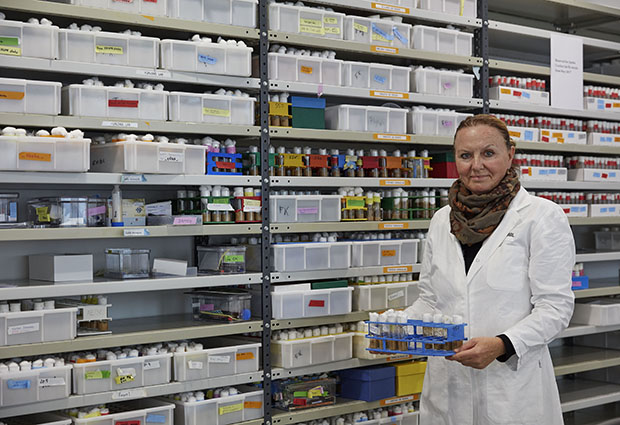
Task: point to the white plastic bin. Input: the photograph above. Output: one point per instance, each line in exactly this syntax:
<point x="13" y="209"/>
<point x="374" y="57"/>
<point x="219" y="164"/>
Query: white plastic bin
<point x="376" y="76"/>
<point x="340" y="255"/>
<point x="30" y="327"/>
<point x="32" y="153"/>
<point x="380" y="296"/>
<point x="29" y="96"/>
<point x="35" y="385"/>
<point x="311" y="351"/>
<point x="442" y="40"/>
<point x="288" y="257"/>
<point x="143" y="411"/>
<point x="442" y="83"/>
<point x="434" y="123"/>
<point x="375" y="253"/>
<point x="452" y="7"/>
<point x="211" y="108"/>
<point x="208" y="58"/>
<point x="310" y="256"/>
<point x="148" y="157"/>
<point x="213" y="362"/>
<point x="144" y="7"/>
<point x="114" y="102"/>
<point x="294" y="208"/>
<point x="311" y="303"/>
<point x="29" y="40"/>
<point x="38" y="419"/>
<point x="111" y="375"/>
<point x="409" y="251"/>
<point x="375" y="119"/>
<point x="305" y="20"/>
<point x="109" y="48"/>
<point x="227" y="12"/>
<point x="382" y="32"/>
<point x="220" y="411"/>
<point x="305" y="69"/>
<point x="598" y="312"/>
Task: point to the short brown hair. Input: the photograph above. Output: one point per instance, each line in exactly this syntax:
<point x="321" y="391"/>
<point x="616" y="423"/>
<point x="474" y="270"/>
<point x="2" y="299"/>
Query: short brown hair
<point x="491" y="121"/>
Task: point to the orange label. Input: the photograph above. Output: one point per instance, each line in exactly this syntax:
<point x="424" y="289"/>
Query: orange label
<point x="388" y="253"/>
<point x="545" y="132"/>
<point x="394" y="182"/>
<point x="616" y="105"/>
<point x="505" y="91"/>
<point x="150" y="18"/>
<point x="390" y="8"/>
<point x="560" y="140"/>
<point x="382" y="49"/>
<point x="306" y="70"/>
<point x="12" y="95"/>
<point x="397" y="269"/>
<point x="398" y="400"/>
<point x="557" y="134"/>
<point x="395" y="137"/>
<point x="389" y="94"/>
<point x="401" y="357"/>
<point x="388" y="226"/>
<point x="245" y="356"/>
<point x="616" y="139"/>
<point x="35" y="156"/>
<point x="253" y="404"/>
<point x="515" y="133"/>
<point x="393" y="162"/>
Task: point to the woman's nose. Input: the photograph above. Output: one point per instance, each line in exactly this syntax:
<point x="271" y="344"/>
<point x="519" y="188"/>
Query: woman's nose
<point x="477" y="163"/>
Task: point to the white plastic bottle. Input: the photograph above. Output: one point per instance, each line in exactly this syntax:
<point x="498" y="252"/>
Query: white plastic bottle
<point x="117" y="207"/>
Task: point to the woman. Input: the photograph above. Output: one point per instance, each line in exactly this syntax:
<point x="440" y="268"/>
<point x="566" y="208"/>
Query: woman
<point x="502" y="259"/>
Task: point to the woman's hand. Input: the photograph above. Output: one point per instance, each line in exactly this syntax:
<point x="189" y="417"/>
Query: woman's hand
<point x="479" y="352"/>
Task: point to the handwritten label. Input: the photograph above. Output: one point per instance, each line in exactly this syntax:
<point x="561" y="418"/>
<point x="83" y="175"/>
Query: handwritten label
<point x="51" y="382"/>
<point x="400" y="37"/>
<point x="185" y="221"/>
<point x="14" y="384"/>
<point x="122" y="103"/>
<point x="193" y="365"/>
<point x="215" y="112"/>
<point x="9" y="41"/>
<point x="230" y="409"/>
<point x="310" y="22"/>
<point x="379" y="34"/>
<point x="133" y="178"/>
<point x="10" y="51"/>
<point x="110" y="50"/>
<point x="397" y="269"/>
<point x="35" y="156"/>
<point x="253" y="404"/>
<point x="151" y="364"/>
<point x="360" y="27"/>
<point x="393" y="137"/>
<point x="127" y="423"/>
<point x="388" y="253"/>
<point x="123" y="379"/>
<point x="379" y="79"/>
<point x="389" y="7"/>
<point x="12" y="95"/>
<point x="312" y="30"/>
<point x="331" y="30"/>
<point x="306" y="69"/>
<point x="293" y="160"/>
<point x="23" y="329"/>
<point x="160" y="73"/>
<point x="394" y="182"/>
<point x="309" y="210"/>
<point x="119" y="124"/>
<point x="207" y="59"/>
<point x="219" y="359"/>
<point x="396" y="295"/>
<point x="330" y="20"/>
<point x="389" y="94"/>
<point x="233" y="258"/>
<point x="136" y="232"/>
<point x="175" y="157"/>
<point x="96" y="374"/>
<point x="248" y="355"/>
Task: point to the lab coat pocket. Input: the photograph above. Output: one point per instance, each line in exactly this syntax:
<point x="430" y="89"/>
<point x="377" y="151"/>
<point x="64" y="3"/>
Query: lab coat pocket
<point x="515" y="394"/>
<point x="506" y="270"/>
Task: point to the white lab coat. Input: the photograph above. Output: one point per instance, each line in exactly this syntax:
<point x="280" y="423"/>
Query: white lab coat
<point x="520" y="285"/>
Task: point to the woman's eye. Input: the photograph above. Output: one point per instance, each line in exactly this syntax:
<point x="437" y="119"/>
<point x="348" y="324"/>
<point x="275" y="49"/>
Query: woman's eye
<point x="488" y="153"/>
<point x="465" y="156"/>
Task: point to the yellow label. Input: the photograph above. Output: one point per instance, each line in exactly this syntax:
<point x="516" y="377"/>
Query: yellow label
<point x="253" y="404"/>
<point x="379" y="37"/>
<point x="250" y="203"/>
<point x="505" y="91"/>
<point x="330" y="20"/>
<point x="394" y="182"/>
<point x="10" y="51"/>
<point x="560" y="140"/>
<point x="395" y="137"/>
<point x="216" y="112"/>
<point x="312" y="30"/>
<point x="389" y="94"/>
<point x="389" y="7"/>
<point x="124" y="379"/>
<point x="111" y="50"/>
<point x="293" y="160"/>
<point x="12" y="95"/>
<point x="529" y="171"/>
<point x="392" y="226"/>
<point x="397" y="269"/>
<point x="557" y="135"/>
<point x="315" y="392"/>
<point x="92" y="415"/>
<point x="616" y="105"/>
<point x="462" y="8"/>
<point x="545" y="132"/>
<point x="388" y="253"/>
<point x="616" y="139"/>
<point x="331" y="30"/>
<point x="515" y="133"/>
<point x="150" y="18"/>
<point x="43" y="216"/>
<point x="360" y="27"/>
<point x="310" y="22"/>
<point x="278" y="108"/>
<point x="35" y="156"/>
<point x="306" y="70"/>
<point x="249" y="355"/>
<point x="230" y="409"/>
<point x="382" y="49"/>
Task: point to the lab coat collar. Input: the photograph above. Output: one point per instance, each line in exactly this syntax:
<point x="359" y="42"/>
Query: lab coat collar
<point x="510" y="220"/>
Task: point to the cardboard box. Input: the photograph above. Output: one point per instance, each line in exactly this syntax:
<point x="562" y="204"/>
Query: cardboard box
<point x="61" y="267"/>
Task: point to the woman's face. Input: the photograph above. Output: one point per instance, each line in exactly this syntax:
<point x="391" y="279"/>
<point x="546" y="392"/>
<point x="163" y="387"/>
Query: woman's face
<point x="482" y="158"/>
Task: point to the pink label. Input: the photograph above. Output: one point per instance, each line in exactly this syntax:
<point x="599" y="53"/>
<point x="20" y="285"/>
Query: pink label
<point x="447" y="85"/>
<point x="206" y="307"/>
<point x="96" y="210"/>
<point x="313" y="210"/>
<point x="180" y="221"/>
<point x="231" y="149"/>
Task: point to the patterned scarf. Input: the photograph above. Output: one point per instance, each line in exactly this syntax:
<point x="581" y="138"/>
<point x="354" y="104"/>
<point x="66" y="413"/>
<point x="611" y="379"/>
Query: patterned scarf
<point x="474" y="217"/>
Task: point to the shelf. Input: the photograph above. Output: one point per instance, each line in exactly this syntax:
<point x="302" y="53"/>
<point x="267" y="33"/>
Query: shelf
<point x="576" y="394"/>
<point x="594" y="221"/>
<point x="574" y="359"/>
<point x="598" y="256"/>
<point x="278" y="277"/>
<point x="569" y="147"/>
<point x="339" y="226"/>
<point x="357" y="136"/>
<point x="98" y="15"/>
<point x="42" y="178"/>
<point x="384" y="183"/>
<point x="143" y="330"/>
<point x="41" y="289"/>
<point x="542" y="109"/>
<point x="119" y="232"/>
<point x="599" y="288"/>
<point x="342" y="407"/>
<point x="75" y="401"/>
<point x="114" y="124"/>
<point x="367" y="94"/>
<point x="150" y="74"/>
<point x="418" y="14"/>
<point x="279" y="373"/>
<point x="579" y="330"/>
<point x="367" y="49"/>
<point x="354" y="316"/>
<point x="572" y="185"/>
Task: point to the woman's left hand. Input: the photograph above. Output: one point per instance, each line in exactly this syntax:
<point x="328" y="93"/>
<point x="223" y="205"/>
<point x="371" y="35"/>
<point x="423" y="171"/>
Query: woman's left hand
<point x="479" y="352"/>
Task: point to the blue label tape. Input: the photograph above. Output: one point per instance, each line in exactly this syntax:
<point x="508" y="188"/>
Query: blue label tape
<point x="207" y="59"/>
<point x="526" y="95"/>
<point x="603" y="210"/>
<point x="552" y="171"/>
<point x="18" y="385"/>
<point x="382" y="33"/>
<point x="13" y="210"/>
<point x="597" y="175"/>
<point x="612" y="174"/>
<point x="155" y="419"/>
<point x="612" y="209"/>
<point x="543" y="172"/>
<point x="401" y="37"/>
<point x="528" y="135"/>
<point x="571" y="135"/>
<point x="379" y="79"/>
<point x="582" y="209"/>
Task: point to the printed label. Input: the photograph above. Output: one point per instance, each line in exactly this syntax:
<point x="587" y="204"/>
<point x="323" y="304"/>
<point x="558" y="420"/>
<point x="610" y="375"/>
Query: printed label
<point x="110" y="50"/>
<point x="396" y="295"/>
<point x="312" y="30"/>
<point x="14" y="384"/>
<point x="388" y="252"/>
<point x="123" y="379"/>
<point x="248" y="355"/>
<point x="51" y="382"/>
<point x="23" y="329"/>
<point x="209" y="60"/>
<point x="151" y="364"/>
<point x="394" y="182"/>
<point x="383" y="49"/>
<point x="389" y="94"/>
<point x="215" y="112"/>
<point x="154" y="73"/>
<point x="293" y="160"/>
<point x="185" y="221"/>
<point x="316" y="303"/>
<point x="515" y="134"/>
<point x="304" y="211"/>
<point x="133" y="178"/>
<point x="230" y="409"/>
<point x="194" y="365"/>
<point x="355" y="203"/>
<point x="330" y="20"/>
<point x="12" y="95"/>
<point x="35" y="156"/>
<point x="176" y="157"/>
<point x="397" y="269"/>
<point x="384" y="226"/>
<point x="331" y="30"/>
<point x="10" y="51"/>
<point x="505" y="91"/>
<point x="390" y="8"/>
<point x="155" y="419"/>
<point x="306" y="70"/>
<point x="9" y="41"/>
<point x="399" y="400"/>
<point x="121" y="103"/>
<point x="135" y="232"/>
<point x="119" y="124"/>
<point x="234" y="258"/>
<point x="394" y="137"/>
<point x="96" y="374"/>
<point x="219" y="359"/>
<point x="360" y="27"/>
<point x="253" y="404"/>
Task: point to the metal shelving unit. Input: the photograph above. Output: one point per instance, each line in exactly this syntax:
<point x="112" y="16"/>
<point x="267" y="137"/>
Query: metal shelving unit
<point x="356" y="136"/>
<point x="277" y="277"/>
<point x="576" y="394"/>
<point x="338" y="226"/>
<point x="355" y="316"/>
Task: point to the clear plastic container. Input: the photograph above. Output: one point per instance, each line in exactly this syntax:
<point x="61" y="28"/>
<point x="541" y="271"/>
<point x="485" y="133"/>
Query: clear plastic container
<point x="293" y="395"/>
<point x="126" y="263"/>
<point x="67" y="212"/>
<point x="229" y="305"/>
<point x="222" y="259"/>
<point x="8" y="207"/>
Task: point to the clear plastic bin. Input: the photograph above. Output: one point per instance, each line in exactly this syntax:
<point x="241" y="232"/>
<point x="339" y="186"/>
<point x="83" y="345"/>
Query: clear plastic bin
<point x="607" y="241"/>
<point x="311" y="303"/>
<point x="442" y="40"/>
<point x="109" y="48"/>
<point x="220" y="361"/>
<point x="296" y="395"/>
<point x="434" y="123"/>
<point x="30" y="327"/>
<point x="442" y="83"/>
<point x="312" y="351"/>
<point x="222" y="259"/>
<point x="227" y="304"/>
<point x="145" y="7"/>
<point x="30" y="153"/>
<point x="376" y="76"/>
<point x="30" y="40"/>
<point x="144" y="411"/>
<point x="67" y="212"/>
<point x="375" y="119"/>
<point x="207" y="58"/>
<point x="8" y="207"/>
<point x="221" y="411"/>
<point x="382" y="32"/>
<point x="125" y="263"/>
<point x="228" y="12"/>
<point x="35" y="385"/>
<point x="211" y="108"/>
<point x="29" y="96"/>
<point x="38" y="419"/>
<point x="296" y="208"/>
<point x="305" y="20"/>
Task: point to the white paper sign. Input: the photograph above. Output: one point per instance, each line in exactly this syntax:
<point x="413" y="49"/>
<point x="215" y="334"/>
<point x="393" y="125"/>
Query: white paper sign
<point x="194" y="365"/>
<point x="219" y="359"/>
<point x="23" y="329"/>
<point x="51" y="382"/>
<point x="152" y="364"/>
<point x="127" y="394"/>
<point x="566" y="72"/>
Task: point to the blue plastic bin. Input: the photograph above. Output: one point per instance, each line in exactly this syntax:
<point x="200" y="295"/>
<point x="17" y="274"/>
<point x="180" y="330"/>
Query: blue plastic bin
<point x="368" y="384"/>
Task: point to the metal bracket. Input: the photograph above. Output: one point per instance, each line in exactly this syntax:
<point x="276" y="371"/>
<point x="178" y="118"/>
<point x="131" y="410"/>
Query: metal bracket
<point x="481" y="50"/>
